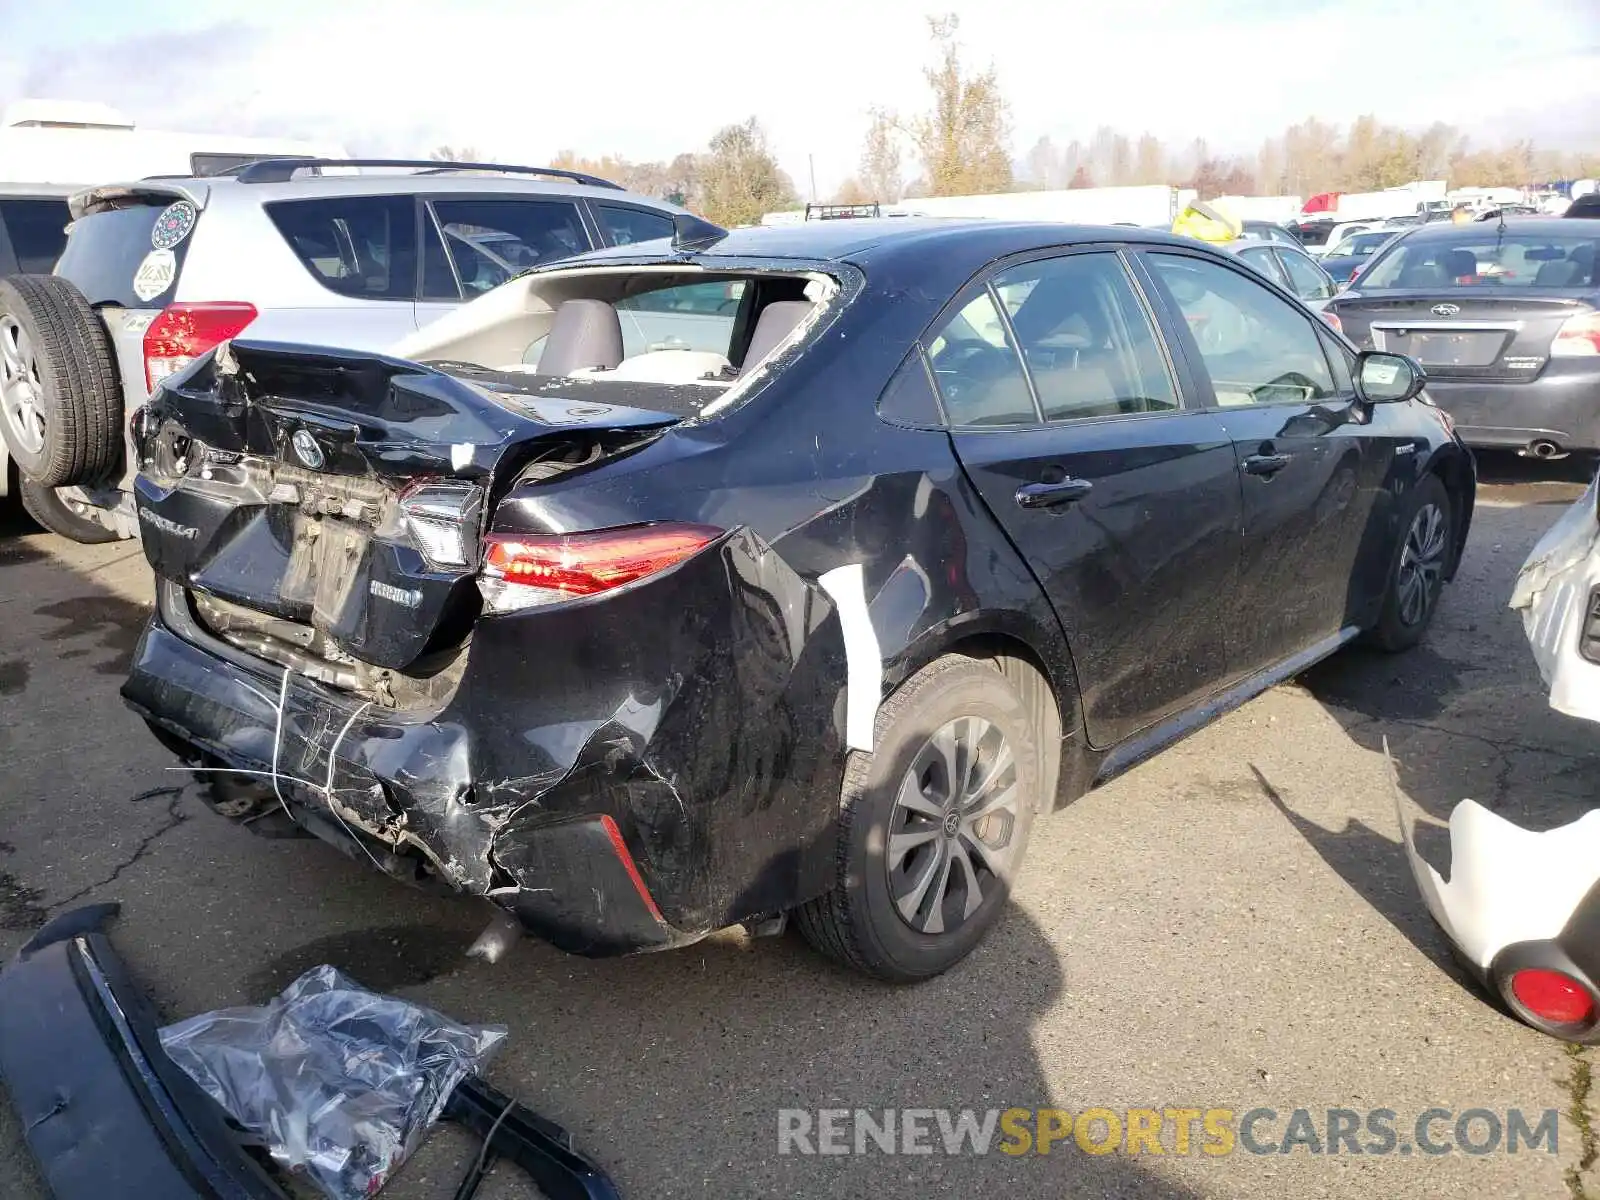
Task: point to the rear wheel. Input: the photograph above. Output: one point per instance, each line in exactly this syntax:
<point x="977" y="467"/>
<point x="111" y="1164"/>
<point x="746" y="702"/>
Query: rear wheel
<point x="1417" y="570"/>
<point x="60" y="396"/>
<point x="55" y="512"/>
<point x="934" y="823"/>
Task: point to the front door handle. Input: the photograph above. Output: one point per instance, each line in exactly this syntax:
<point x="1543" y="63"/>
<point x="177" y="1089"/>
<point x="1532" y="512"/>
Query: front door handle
<point x="1051" y="495"/>
<point x="1266" y="464"/>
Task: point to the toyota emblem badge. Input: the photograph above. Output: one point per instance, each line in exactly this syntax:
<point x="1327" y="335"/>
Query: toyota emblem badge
<point x="307" y="450"/>
<point x="1446" y="310"/>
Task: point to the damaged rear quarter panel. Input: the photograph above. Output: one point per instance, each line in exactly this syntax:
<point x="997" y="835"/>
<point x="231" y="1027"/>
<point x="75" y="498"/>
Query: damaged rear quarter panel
<point x="698" y="711"/>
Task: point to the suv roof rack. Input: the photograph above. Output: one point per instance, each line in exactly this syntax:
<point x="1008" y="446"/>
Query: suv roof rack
<point x="281" y="170"/>
<point x="835" y="212"/>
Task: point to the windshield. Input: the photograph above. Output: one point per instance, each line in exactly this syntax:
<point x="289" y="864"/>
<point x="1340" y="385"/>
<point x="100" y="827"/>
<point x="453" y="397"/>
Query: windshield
<point x="1485" y="258"/>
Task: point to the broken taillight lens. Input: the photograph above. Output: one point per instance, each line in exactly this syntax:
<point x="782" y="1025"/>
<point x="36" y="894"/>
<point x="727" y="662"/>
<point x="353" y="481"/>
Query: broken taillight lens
<point x="1579" y="337"/>
<point x="442" y="519"/>
<point x="183" y="332"/>
<point x="525" y="569"/>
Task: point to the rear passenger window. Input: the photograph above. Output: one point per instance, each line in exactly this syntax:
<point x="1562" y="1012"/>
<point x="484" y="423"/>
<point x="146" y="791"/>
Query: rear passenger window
<point x="625" y="226"/>
<point x="1263" y="260"/>
<point x="1090" y="347"/>
<point x="1258" y="348"/>
<point x="489" y="241"/>
<point x="37" y="230"/>
<point x="977" y="369"/>
<point x="1309" y="281"/>
<point x="359" y="246"/>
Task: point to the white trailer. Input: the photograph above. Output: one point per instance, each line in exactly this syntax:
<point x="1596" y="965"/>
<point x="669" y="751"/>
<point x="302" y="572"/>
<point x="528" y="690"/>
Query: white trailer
<point x="82" y="144"/>
<point x="1155" y="204"/>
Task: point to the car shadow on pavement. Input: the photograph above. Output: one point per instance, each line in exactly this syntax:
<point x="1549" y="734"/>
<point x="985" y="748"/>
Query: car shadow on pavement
<point x="674" y="1068"/>
<point x="1463" y="714"/>
<point x="670" y="1069"/>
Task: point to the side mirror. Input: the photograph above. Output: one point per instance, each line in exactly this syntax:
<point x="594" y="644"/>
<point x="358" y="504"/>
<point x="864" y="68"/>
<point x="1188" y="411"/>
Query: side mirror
<point x="1388" y="378"/>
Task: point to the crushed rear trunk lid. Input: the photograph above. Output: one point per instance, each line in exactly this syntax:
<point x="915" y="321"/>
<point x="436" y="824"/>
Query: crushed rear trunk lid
<point x="324" y="509"/>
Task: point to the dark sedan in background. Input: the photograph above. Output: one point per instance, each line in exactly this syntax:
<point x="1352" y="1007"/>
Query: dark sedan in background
<point x="1504" y="316"/>
<point x="916" y="530"/>
<point x="1355" y="250"/>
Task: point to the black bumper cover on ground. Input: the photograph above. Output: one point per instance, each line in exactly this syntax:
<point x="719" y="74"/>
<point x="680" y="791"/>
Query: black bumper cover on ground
<point x="108" y="1116"/>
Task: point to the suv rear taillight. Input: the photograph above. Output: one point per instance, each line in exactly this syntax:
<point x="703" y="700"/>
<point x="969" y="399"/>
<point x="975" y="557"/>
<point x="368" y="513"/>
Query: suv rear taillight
<point x="183" y="332"/>
<point x="1579" y="337"/>
<point x="522" y="570"/>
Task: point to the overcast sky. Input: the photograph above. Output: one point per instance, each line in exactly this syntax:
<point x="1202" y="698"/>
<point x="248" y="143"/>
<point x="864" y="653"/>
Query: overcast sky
<point x="520" y="81"/>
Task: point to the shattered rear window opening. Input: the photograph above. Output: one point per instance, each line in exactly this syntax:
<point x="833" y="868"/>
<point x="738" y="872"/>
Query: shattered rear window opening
<point x="676" y="338"/>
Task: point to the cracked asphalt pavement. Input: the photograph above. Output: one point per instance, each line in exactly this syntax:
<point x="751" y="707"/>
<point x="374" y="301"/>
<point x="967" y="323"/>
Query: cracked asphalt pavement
<point x="1230" y="925"/>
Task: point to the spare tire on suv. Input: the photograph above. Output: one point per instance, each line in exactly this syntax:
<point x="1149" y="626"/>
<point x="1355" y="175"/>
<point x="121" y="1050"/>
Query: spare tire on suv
<point x="60" y="396"/>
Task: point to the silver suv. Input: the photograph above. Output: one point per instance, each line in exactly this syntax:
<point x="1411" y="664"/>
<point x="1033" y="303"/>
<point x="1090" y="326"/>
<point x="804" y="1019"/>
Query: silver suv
<point x="157" y="272"/>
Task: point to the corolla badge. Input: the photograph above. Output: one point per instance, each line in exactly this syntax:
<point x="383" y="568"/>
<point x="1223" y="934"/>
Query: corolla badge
<point x="307" y="450"/>
<point x="1446" y="310"/>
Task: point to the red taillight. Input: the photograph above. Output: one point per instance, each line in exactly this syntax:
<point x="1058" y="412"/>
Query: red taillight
<point x="183" y="332"/>
<point x="1553" y="997"/>
<point x="1579" y="337"/>
<point x="1333" y="320"/>
<point x="582" y="564"/>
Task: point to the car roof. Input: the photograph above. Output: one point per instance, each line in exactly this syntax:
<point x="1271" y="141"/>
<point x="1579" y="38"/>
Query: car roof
<point x="38" y="191"/>
<point x="210" y="189"/>
<point x="863" y="239"/>
<point x="1539" y="226"/>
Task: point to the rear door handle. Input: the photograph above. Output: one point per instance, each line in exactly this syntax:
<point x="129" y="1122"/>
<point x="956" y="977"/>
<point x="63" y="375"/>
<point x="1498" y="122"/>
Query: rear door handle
<point x="1051" y="495"/>
<point x="1266" y="464"/>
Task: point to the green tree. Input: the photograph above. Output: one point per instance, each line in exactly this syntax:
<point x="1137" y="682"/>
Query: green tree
<point x="879" y="174"/>
<point x="963" y="138"/>
<point x="739" y="178"/>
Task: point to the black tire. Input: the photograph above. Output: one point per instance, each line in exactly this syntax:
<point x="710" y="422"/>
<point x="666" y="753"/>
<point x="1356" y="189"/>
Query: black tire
<point x="52" y="512"/>
<point x="1396" y="630"/>
<point x="79" y="391"/>
<point x="857" y="922"/>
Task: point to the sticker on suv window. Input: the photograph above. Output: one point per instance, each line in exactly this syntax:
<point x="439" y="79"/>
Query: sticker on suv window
<point x="173" y="225"/>
<point x="155" y="274"/>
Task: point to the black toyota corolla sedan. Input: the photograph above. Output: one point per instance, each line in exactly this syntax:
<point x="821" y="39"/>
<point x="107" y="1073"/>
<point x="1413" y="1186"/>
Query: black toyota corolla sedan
<point x="1505" y="317"/>
<point x="781" y="574"/>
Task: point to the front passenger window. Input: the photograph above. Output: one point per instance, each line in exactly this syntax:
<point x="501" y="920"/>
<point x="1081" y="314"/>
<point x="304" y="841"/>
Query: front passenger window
<point x="979" y="374"/>
<point x="1257" y="347"/>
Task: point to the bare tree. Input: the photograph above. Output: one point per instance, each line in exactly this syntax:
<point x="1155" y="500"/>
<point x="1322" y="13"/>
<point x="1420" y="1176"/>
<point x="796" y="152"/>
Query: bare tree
<point x="962" y="140"/>
<point x="880" y="160"/>
<point x="1045" y="164"/>
<point x="851" y="191"/>
<point x="455" y="154"/>
<point x="1149" y="161"/>
<point x="739" y="177"/>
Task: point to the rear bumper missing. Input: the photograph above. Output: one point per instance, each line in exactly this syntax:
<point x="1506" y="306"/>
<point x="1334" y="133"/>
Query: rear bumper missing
<point x="387" y="780"/>
<point x="620" y="777"/>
